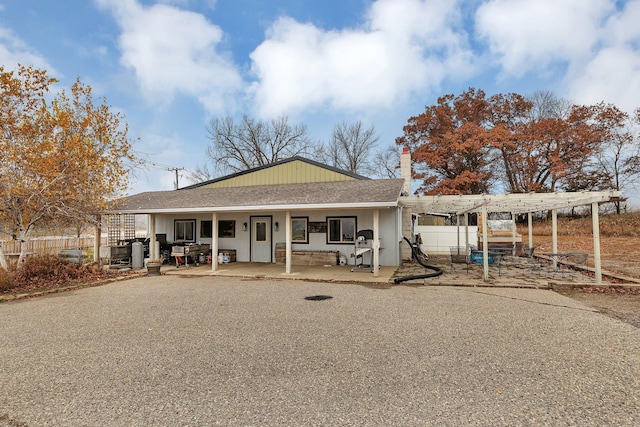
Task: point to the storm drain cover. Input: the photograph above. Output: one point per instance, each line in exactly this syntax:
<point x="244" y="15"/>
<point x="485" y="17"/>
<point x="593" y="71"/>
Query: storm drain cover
<point x="318" y="297"/>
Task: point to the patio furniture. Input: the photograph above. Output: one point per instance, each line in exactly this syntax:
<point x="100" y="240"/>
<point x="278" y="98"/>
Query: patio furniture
<point x="459" y="256"/>
<point x="579" y="261"/>
<point x="532" y="263"/>
<point x="559" y="261"/>
<point x="493" y="259"/>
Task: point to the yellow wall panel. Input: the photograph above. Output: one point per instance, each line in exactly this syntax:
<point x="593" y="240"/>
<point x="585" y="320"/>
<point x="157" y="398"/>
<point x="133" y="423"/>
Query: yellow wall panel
<point x="295" y="172"/>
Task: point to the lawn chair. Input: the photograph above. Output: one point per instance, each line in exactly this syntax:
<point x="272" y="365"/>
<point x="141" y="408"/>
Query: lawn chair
<point x="459" y="256"/>
<point x="579" y="261"/>
<point x="531" y="260"/>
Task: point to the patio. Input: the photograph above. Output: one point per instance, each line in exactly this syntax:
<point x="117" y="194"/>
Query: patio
<point x="514" y="273"/>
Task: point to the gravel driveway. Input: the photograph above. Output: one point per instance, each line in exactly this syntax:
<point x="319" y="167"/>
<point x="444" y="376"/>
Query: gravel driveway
<point x="171" y="351"/>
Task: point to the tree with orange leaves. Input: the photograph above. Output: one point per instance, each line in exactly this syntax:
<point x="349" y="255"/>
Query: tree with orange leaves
<point x="61" y="158"/>
<point x="454" y="144"/>
<point x="465" y="144"/>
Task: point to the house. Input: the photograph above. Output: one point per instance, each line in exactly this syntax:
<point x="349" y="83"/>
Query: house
<point x="279" y="211"/>
<point x="298" y="210"/>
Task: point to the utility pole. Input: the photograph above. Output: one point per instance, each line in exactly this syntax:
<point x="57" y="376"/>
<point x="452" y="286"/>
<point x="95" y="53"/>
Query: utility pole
<point x="176" y="171"/>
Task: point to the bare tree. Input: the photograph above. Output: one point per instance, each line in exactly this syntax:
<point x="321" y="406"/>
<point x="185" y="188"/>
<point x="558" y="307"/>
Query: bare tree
<point x="351" y="147"/>
<point x="387" y="162"/>
<point x="252" y="143"/>
<point x="200" y="174"/>
<point x="619" y="157"/>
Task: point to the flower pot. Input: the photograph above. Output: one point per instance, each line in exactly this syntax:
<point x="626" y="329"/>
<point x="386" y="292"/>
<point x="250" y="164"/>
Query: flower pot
<point x="153" y="268"/>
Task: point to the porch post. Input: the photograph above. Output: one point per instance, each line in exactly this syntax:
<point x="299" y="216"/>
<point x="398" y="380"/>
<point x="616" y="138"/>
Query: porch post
<point x="214" y="241"/>
<point x="530" y="224"/>
<point x="376" y="243"/>
<point x="96" y="244"/>
<point x="287" y="238"/>
<point x="485" y="245"/>
<point x="554" y="235"/>
<point x="153" y="254"/>
<point x="596" y="242"/>
<point x="466" y="231"/>
<point x="513" y="234"/>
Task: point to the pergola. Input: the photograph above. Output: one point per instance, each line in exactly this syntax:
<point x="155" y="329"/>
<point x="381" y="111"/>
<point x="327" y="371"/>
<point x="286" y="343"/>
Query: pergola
<point x="518" y="204"/>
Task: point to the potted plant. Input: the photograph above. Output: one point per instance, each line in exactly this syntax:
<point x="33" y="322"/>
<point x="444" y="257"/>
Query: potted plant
<point x="153" y="267"/>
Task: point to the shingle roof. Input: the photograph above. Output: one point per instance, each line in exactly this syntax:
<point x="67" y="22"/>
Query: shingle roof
<point x="359" y="193"/>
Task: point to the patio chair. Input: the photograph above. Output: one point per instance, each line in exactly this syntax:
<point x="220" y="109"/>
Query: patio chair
<point x="531" y="260"/>
<point x="459" y="256"/>
<point x="579" y="261"/>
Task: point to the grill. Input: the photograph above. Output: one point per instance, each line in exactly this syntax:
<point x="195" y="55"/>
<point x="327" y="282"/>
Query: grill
<point x="182" y="254"/>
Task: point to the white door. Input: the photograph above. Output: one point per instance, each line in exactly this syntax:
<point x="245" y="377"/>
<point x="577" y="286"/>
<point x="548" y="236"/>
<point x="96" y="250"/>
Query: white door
<point x="261" y="239"/>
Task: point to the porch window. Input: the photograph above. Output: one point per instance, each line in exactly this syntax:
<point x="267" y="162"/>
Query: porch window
<point x="184" y="230"/>
<point x="261" y="231"/>
<point x="205" y="228"/>
<point x="299" y="233"/>
<point x="341" y="229"/>
<point x="225" y="228"/>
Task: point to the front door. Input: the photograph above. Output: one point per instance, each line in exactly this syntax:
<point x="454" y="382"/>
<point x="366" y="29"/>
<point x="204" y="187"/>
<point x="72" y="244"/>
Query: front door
<point x="261" y="239"/>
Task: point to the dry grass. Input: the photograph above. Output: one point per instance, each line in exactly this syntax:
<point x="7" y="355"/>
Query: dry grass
<point x="611" y="225"/>
<point x="619" y="242"/>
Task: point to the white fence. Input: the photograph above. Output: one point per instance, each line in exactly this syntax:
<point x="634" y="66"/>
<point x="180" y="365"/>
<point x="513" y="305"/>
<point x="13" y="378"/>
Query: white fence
<point x="437" y="239"/>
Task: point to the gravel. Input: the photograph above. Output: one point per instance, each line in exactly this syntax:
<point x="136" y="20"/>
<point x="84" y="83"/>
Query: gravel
<point x="160" y="351"/>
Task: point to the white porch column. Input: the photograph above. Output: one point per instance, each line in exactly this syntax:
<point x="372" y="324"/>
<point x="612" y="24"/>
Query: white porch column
<point x="530" y="224"/>
<point x="96" y="244"/>
<point x="596" y="242"/>
<point x="153" y="252"/>
<point x="287" y="238"/>
<point x="513" y="234"/>
<point x="376" y="243"/>
<point x="214" y="241"/>
<point x="466" y="231"/>
<point x="554" y="237"/>
<point x="485" y="245"/>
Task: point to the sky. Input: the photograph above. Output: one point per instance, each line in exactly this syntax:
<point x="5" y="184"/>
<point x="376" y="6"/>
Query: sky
<point x="170" y="66"/>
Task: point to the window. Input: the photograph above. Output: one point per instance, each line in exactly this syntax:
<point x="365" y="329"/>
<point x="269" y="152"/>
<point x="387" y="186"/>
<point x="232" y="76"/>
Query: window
<point x="205" y="228"/>
<point x="261" y="231"/>
<point x="184" y="230"/>
<point x="225" y="229"/>
<point x="341" y="229"/>
<point x="299" y="233"/>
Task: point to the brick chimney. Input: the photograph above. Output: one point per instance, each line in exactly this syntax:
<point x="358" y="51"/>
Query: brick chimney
<point x="405" y="170"/>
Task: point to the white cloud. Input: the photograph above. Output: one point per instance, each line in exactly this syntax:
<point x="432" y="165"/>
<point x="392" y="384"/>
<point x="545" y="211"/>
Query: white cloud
<point x="612" y="76"/>
<point x="530" y="35"/>
<point x="613" y="73"/>
<point x="14" y="51"/>
<point x="175" y="51"/>
<point x="404" y="46"/>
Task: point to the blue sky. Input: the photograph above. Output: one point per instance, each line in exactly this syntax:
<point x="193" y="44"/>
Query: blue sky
<point x="170" y="66"/>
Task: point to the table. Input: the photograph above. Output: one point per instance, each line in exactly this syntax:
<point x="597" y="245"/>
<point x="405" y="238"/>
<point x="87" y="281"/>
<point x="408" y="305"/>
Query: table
<point x="557" y="259"/>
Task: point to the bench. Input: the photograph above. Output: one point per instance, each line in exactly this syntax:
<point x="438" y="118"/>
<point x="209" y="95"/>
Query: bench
<point x="307" y="257"/>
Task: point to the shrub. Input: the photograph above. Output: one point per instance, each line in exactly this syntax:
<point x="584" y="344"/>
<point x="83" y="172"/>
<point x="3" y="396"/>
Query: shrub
<point x="7" y="279"/>
<point x="50" y="271"/>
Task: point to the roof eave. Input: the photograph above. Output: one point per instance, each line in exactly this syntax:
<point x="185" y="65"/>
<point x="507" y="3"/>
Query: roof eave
<point x="258" y="208"/>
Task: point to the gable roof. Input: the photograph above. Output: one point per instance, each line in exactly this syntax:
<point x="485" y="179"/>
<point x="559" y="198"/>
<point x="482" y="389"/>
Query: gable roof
<point x="365" y="193"/>
<point x="294" y="170"/>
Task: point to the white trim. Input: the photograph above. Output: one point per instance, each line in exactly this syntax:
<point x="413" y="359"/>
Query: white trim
<point x="266" y="208"/>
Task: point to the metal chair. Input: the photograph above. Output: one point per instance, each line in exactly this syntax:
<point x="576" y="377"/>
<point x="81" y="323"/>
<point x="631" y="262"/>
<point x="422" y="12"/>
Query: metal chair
<point x="579" y="261"/>
<point x="459" y="255"/>
<point x="531" y="260"/>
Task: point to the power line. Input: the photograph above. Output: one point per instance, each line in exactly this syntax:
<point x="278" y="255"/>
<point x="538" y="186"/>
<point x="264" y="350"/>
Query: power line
<point x="176" y="171"/>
